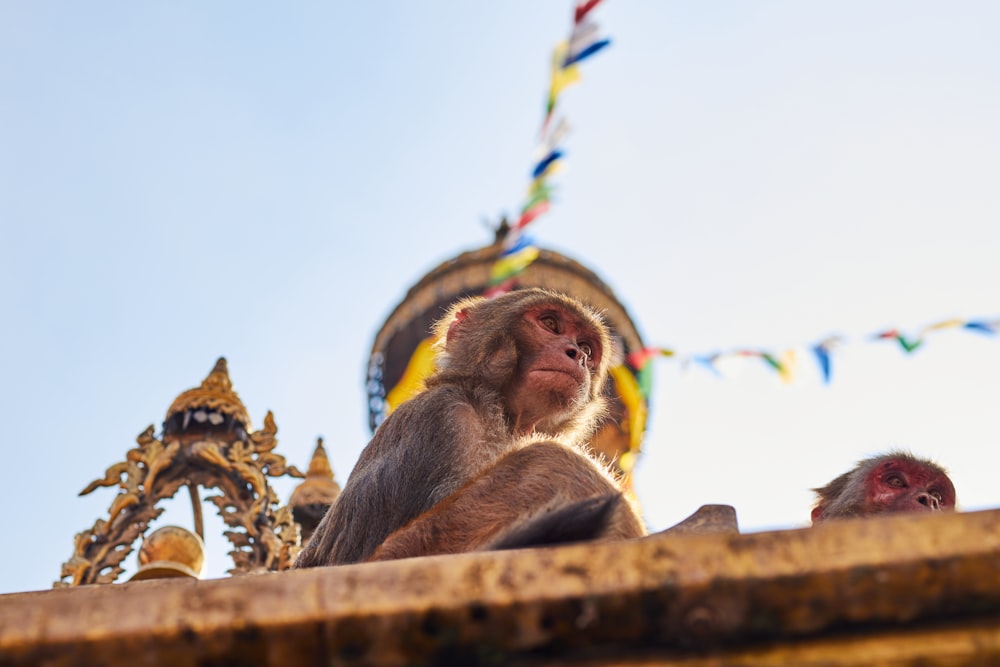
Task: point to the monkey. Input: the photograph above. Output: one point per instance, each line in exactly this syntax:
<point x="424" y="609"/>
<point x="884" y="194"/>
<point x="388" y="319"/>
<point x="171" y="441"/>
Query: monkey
<point x="886" y="484"/>
<point x="488" y="456"/>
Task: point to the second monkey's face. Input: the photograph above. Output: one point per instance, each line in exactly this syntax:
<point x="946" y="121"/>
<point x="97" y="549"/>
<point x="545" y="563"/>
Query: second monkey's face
<point x="902" y="485"/>
<point x="559" y="357"/>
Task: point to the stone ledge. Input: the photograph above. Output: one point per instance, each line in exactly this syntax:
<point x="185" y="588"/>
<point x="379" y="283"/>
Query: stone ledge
<point x="843" y="588"/>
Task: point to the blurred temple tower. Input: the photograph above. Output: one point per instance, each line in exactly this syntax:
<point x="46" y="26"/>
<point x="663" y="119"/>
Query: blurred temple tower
<point x="401" y="356"/>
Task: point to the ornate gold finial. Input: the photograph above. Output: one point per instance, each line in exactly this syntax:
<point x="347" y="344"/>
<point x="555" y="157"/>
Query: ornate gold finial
<point x="319" y="466"/>
<point x="207" y="453"/>
<point x="213" y="406"/>
<point x="170" y="551"/>
<point x="310" y="499"/>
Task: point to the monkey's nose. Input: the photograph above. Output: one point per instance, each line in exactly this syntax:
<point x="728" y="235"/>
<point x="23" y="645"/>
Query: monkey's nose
<point x="929" y="501"/>
<point x="574" y="352"/>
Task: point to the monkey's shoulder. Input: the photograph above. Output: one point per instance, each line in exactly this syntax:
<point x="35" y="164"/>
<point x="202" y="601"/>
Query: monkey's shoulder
<point x="441" y="412"/>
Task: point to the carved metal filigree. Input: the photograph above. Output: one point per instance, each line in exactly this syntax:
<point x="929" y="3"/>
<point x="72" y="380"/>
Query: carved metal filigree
<point x="264" y="537"/>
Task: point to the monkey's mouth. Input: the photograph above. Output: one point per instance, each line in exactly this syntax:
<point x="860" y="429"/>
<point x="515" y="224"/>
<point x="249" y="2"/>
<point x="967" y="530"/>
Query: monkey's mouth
<point x="579" y="375"/>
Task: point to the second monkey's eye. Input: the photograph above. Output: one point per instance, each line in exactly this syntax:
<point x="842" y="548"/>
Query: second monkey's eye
<point x="895" y="480"/>
<point x="550" y="322"/>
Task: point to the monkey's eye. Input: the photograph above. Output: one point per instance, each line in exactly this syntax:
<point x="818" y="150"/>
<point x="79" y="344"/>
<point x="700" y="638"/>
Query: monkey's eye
<point x="586" y="349"/>
<point x="550" y="322"/>
<point x="895" y="480"/>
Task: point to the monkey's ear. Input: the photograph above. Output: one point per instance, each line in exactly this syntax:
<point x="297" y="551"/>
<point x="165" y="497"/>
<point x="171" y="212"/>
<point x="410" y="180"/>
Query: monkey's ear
<point x="457" y="327"/>
<point x="817" y="513"/>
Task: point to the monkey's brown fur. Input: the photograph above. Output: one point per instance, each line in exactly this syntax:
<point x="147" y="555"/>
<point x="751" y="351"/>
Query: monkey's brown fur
<point x="522" y="487"/>
<point x="489" y="445"/>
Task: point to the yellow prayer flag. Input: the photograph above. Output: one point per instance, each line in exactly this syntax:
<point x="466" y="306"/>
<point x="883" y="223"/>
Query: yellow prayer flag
<point x="514" y="264"/>
<point x="536" y="184"/>
<point x="947" y="324"/>
<point x="631" y="395"/>
<point x="788" y="360"/>
<point x="562" y="78"/>
<point x="418" y="369"/>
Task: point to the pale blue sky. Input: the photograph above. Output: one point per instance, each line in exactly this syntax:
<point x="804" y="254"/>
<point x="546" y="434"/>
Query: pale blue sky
<point x="181" y="181"/>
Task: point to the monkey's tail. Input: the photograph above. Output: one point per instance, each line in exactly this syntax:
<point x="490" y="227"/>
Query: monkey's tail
<point x="577" y="522"/>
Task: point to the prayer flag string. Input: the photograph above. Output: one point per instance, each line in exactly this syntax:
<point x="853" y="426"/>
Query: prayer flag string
<point x="784" y="362"/>
<point x="519" y="249"/>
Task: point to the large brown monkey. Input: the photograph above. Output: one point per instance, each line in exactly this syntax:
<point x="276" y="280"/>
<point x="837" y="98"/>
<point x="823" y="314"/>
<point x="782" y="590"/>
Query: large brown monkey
<point x="890" y="483"/>
<point x="487" y="456"/>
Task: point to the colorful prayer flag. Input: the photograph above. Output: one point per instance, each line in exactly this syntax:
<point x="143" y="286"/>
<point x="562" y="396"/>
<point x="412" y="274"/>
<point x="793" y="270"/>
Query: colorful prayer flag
<point x="551" y="140"/>
<point x="563" y="77"/>
<point x="583" y="7"/>
<point x="513" y="264"/>
<point x="538" y="194"/>
<point x="640" y="358"/>
<point x="583" y="35"/>
<point x="823" y="359"/>
<point x="907" y="344"/>
<point x="501" y="288"/>
<point x="707" y="361"/>
<point x="573" y="58"/>
<point x="946" y="324"/>
<point x="528" y="216"/>
<point x="516" y="240"/>
<point x="982" y="326"/>
<point x="544" y="164"/>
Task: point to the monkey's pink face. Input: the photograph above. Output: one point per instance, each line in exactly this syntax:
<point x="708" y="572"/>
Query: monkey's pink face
<point x="559" y="355"/>
<point x="907" y="486"/>
<point x="561" y="344"/>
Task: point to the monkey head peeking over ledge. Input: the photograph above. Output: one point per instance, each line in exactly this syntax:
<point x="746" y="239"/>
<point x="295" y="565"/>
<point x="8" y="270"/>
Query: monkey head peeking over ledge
<point x="891" y="483"/>
<point x="488" y="456"/>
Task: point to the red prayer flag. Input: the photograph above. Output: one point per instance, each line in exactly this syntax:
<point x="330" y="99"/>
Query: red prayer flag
<point x="583" y="8"/>
<point x="532" y="213"/>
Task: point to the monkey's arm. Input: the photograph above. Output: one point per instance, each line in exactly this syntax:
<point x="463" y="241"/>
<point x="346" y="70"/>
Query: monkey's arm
<point x="409" y="466"/>
<point x="508" y="499"/>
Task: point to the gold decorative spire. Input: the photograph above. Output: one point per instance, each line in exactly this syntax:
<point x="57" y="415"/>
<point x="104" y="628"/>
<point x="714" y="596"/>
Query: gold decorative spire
<point x="205" y="443"/>
<point x="212" y="401"/>
<point x="310" y="499"/>
<point x="319" y="465"/>
<point x="319" y="486"/>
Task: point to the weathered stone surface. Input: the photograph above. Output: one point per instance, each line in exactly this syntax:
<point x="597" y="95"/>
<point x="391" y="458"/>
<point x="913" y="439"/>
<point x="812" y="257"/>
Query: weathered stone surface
<point x="788" y="597"/>
<point x="707" y="520"/>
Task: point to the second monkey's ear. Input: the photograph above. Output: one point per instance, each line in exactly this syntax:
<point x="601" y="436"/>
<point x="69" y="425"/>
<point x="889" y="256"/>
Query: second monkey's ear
<point x="457" y="327"/>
